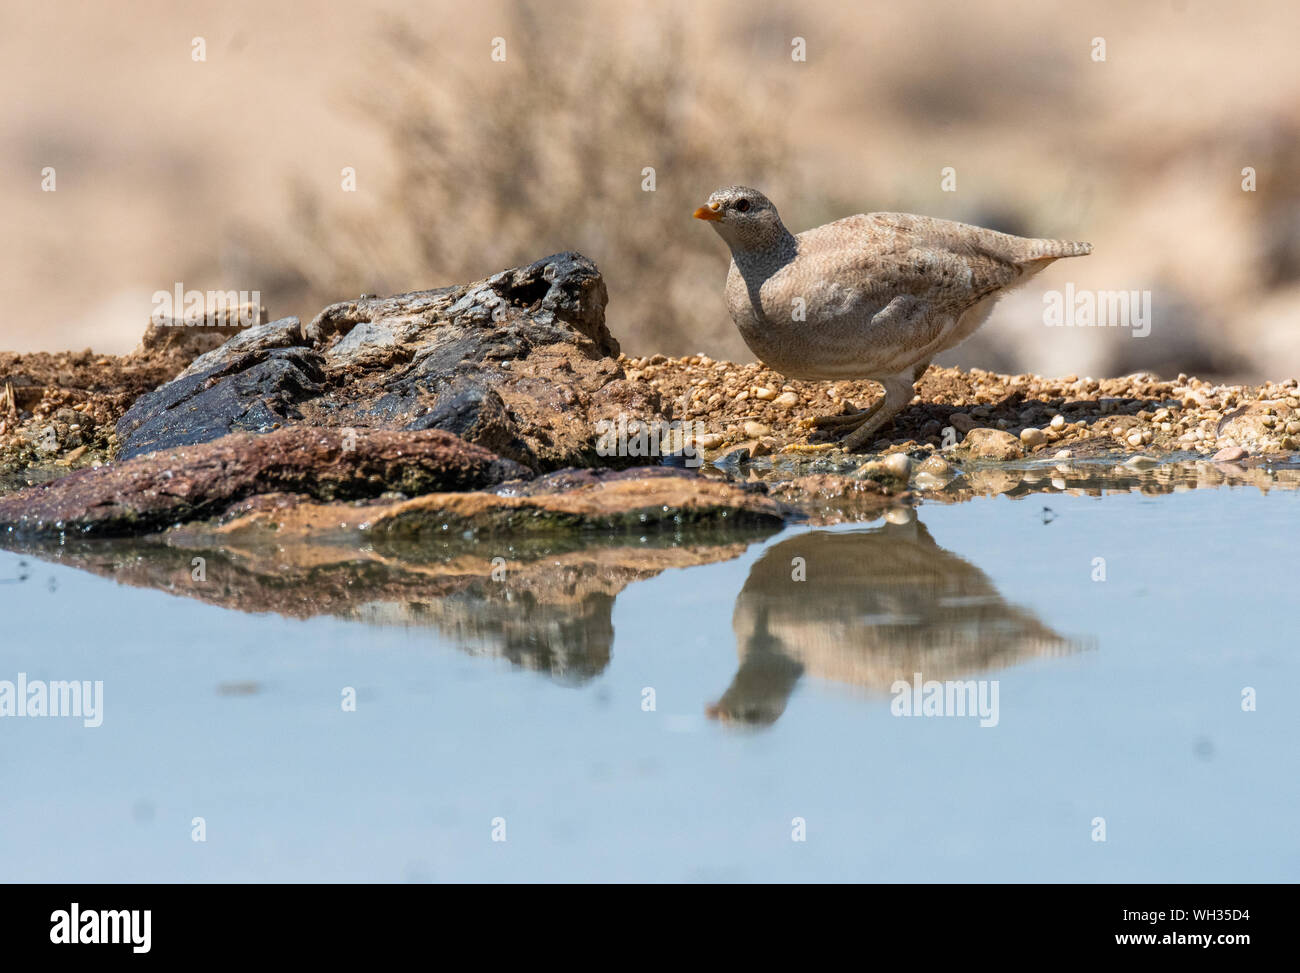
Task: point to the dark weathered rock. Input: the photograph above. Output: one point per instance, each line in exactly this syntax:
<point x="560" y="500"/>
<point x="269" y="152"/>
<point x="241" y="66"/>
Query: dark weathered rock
<point x="476" y="414"/>
<point x="248" y="383"/>
<point x="197" y="482"/>
<point x="255" y="392"/>
<point x="519" y="363"/>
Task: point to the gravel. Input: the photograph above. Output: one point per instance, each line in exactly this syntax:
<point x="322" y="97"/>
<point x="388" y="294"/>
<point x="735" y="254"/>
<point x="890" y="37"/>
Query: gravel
<point x="1139" y="413"/>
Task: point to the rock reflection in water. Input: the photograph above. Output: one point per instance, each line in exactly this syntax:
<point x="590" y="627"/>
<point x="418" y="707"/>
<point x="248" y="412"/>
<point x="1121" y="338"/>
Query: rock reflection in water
<point x="568" y="635"/>
<point x="544" y="605"/>
<point x="876" y="606"/>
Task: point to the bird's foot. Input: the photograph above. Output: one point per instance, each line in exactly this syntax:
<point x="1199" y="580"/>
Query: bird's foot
<point x="866" y="431"/>
<point x="898" y="393"/>
<point x="847" y="420"/>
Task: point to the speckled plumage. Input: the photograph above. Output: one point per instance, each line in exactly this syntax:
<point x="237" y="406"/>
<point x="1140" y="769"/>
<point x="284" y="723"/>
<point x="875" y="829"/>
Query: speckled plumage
<point x="881" y="293"/>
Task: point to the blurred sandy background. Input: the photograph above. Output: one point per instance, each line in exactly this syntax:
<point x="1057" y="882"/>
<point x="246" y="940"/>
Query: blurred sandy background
<point x="225" y="174"/>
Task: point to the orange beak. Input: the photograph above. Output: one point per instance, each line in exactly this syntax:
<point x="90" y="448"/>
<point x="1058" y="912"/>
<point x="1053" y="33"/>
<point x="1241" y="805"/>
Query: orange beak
<point x="710" y="212"/>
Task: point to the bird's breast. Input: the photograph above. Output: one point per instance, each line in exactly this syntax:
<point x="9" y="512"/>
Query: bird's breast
<point x="809" y="329"/>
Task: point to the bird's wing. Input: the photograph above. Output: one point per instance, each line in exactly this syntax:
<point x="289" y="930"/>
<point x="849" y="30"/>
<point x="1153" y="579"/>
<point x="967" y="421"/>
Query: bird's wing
<point x="945" y="265"/>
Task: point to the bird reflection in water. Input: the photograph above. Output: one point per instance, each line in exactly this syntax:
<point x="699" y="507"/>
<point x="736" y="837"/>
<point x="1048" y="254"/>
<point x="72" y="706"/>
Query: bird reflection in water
<point x="876" y="606"/>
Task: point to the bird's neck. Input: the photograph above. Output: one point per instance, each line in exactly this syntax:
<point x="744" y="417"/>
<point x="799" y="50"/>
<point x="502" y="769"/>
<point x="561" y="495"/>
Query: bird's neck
<point x="762" y="261"/>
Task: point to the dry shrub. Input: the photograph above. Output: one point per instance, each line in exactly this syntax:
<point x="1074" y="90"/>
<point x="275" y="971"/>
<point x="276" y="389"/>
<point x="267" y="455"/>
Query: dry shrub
<point x="502" y="163"/>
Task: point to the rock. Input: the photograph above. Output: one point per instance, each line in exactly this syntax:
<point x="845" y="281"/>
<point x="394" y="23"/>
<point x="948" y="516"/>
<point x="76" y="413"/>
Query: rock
<point x="730" y="461"/>
<point x="1229" y="454"/>
<point x="930" y="429"/>
<point x="893" y="470"/>
<point x="982" y="443"/>
<point x="1057" y="423"/>
<point x="198" y="482"/>
<point x="742" y="453"/>
<point x="765" y="394"/>
<point x="1032" y="437"/>
<point x="44" y="439"/>
<point x="520" y="363"/>
<point x="786" y="400"/>
<point x="193" y="336"/>
<point x="630" y="501"/>
<point x="962" y="422"/>
<point x="475" y="413"/>
<point x="1253" y="425"/>
<point x="220" y="393"/>
<point x="936" y="465"/>
<point x="898" y="465"/>
<point x="710" y="440"/>
<point x="755" y="430"/>
<point x="273" y="335"/>
<point x="633" y="501"/>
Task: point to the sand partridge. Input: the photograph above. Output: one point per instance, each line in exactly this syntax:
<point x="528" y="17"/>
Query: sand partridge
<point x="872" y="296"/>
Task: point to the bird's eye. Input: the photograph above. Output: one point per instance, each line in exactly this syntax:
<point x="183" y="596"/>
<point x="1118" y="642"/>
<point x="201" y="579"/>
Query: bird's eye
<point x="742" y="206"/>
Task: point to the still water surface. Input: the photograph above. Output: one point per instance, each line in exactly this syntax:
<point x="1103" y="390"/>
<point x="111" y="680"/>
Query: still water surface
<point x="1117" y="699"/>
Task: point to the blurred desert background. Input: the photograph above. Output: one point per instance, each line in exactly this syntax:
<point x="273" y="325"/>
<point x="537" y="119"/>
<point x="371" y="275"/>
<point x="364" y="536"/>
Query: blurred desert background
<point x="226" y="174"/>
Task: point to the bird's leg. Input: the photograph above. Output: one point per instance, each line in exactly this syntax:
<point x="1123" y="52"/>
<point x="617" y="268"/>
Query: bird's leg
<point x="897" y="397"/>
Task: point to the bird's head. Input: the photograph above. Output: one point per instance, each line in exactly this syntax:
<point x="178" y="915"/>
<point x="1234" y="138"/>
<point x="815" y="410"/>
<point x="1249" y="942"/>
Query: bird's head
<point x="744" y="218"/>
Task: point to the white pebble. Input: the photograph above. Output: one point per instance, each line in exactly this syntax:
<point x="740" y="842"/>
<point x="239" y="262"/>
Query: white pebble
<point x="899" y="464"/>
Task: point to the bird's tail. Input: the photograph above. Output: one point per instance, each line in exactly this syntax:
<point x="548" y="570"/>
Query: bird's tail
<point x="1055" y="249"/>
